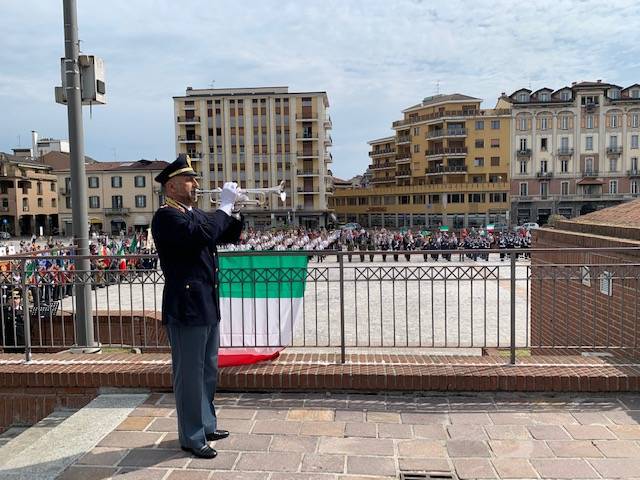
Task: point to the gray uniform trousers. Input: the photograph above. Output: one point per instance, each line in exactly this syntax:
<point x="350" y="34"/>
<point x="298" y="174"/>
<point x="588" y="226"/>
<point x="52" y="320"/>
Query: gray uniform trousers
<point x="194" y="357"/>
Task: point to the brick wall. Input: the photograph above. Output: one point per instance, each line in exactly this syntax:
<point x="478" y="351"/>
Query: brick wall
<point x="567" y="312"/>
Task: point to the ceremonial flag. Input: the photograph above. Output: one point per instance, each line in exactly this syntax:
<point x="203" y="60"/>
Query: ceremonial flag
<point x="261" y="299"/>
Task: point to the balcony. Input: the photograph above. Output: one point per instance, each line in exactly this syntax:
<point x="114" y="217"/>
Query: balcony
<point x="404" y="158"/>
<point x="523" y="152"/>
<point x="189" y="139"/>
<point x="308" y="173"/>
<point x="307" y="191"/>
<point x="565" y="151"/>
<point x="446" y="114"/>
<point x="544" y="175"/>
<point x="4" y="209"/>
<point x="446" y="169"/>
<point x="327" y="122"/>
<point x="403" y="174"/>
<point x="116" y="211"/>
<point x="382" y="166"/>
<point x="382" y="151"/>
<point x="590" y="173"/>
<point x="634" y="172"/>
<point x="328" y="140"/>
<point x="306" y="117"/>
<point x="403" y="139"/>
<point x="64" y="191"/>
<point x="452" y="132"/>
<point x="614" y="150"/>
<point x="449" y="151"/>
<point x="188" y="120"/>
<point x="307" y="136"/>
<point x="308" y="154"/>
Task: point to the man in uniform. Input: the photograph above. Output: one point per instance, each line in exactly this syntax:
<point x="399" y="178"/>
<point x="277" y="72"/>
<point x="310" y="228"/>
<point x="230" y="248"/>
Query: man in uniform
<point x="186" y="239"/>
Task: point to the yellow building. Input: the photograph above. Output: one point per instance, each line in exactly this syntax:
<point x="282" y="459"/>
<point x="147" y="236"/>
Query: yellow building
<point x="260" y="137"/>
<point x="447" y="164"/>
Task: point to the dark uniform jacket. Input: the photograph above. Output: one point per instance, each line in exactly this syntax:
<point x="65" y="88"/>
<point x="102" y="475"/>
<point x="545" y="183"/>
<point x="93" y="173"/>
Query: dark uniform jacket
<point x="186" y="244"/>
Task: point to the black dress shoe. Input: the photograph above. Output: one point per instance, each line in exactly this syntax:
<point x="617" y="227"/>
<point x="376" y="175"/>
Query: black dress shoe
<point x="217" y="435"/>
<point x="203" y="452"/>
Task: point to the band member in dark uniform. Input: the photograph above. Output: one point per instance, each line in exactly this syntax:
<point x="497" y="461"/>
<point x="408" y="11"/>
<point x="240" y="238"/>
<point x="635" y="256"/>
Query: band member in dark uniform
<point x="186" y="239"/>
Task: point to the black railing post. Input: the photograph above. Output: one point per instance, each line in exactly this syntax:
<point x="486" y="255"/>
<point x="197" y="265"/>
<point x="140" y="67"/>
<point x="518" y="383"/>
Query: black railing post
<point x="342" y="341"/>
<point x="513" y="257"/>
<point x="26" y="320"/>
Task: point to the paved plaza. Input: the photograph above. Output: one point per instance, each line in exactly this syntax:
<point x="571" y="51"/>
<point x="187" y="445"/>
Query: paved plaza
<point x="386" y="304"/>
<point x="374" y="437"/>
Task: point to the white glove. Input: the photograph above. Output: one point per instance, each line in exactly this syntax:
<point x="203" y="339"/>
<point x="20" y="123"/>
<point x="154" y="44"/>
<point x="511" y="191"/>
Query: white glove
<point x="228" y="197"/>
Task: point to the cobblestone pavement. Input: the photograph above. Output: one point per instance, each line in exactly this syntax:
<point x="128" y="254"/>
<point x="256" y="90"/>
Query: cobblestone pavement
<point x="349" y="437"/>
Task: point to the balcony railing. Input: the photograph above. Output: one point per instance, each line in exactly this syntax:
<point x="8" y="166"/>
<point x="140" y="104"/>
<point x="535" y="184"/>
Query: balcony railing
<point x="523" y="152"/>
<point x="182" y="119"/>
<point x="306" y="116"/>
<point x="451" y="151"/>
<point x="449" y="113"/>
<point x="544" y="174"/>
<point x="565" y="151"/>
<point x="380" y="166"/>
<point x="451" y="132"/>
<point x="307" y="136"/>
<point x="308" y="172"/>
<point x="308" y="153"/>
<point x="634" y="172"/>
<point x="590" y="172"/>
<point x="189" y="138"/>
<point x="384" y="151"/>
<point x="403" y="157"/>
<point x="116" y="211"/>
<point x="614" y="150"/>
<point x="404" y="139"/>
<point x="446" y="169"/>
<point x="328" y="140"/>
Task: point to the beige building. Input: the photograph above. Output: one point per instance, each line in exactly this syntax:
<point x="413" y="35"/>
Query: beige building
<point x="576" y="149"/>
<point x="122" y="196"/>
<point x="260" y="137"/>
<point x="447" y="164"/>
<point x="28" y="196"/>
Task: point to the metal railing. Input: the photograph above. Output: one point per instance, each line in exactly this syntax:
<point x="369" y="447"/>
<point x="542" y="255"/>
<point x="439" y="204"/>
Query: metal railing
<point x="475" y="300"/>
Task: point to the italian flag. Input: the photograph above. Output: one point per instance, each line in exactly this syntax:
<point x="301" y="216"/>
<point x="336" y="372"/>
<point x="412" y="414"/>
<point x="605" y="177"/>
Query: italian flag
<point x="261" y="303"/>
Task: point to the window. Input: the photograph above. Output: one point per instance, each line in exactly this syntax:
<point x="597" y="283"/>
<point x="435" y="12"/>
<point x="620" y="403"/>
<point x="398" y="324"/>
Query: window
<point x="416" y="148"/>
<point x="53" y="186"/>
<point x="455" y="197"/>
<point x="524" y="189"/>
<point x="53" y="202"/>
<point x="614" y="121"/>
<point x="523" y="166"/>
<point x="116" y="201"/>
<point x="606" y="283"/>
<point x="94" y="182"/>
<point x="523" y="123"/>
<point x="543" y="144"/>
<point x="94" y="202"/>
<point x="523" y="144"/>
<point x="613" y="164"/>
<point x="544" y="189"/>
<point x="404" y="199"/>
<point x="613" y="187"/>
<point x="588" y="164"/>
<point x="589" y="121"/>
<point x="522" y="97"/>
<point x="564" y="143"/>
<point x="416" y="131"/>
<point x="635" y="93"/>
<point x="40" y="203"/>
<point x="39" y="188"/>
<point x="139" y="181"/>
<point x="564" y="166"/>
<point x="585" y="276"/>
<point x="564" y="188"/>
<point x="634" y="141"/>
<point x="565" y="96"/>
<point x="476" y="198"/>
<point x="495" y="161"/>
<point x="634" y="187"/>
<point x="544" y="165"/>
<point x="116" y="182"/>
<point x="495" y="124"/>
<point x="613" y="141"/>
<point x="141" y="201"/>
<point x="500" y="197"/>
<point x="635" y="120"/>
<point x="495" y="143"/>
<point x="564" y="122"/>
<point x="480" y="143"/>
<point x="634" y="164"/>
<point x="478" y="162"/>
<point x="614" y="93"/>
<point x="544" y="123"/>
<point x="544" y="97"/>
<point x="67" y="201"/>
<point x="588" y="143"/>
<point x="479" y="124"/>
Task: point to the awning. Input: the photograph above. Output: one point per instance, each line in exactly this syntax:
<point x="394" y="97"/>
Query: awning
<point x="95" y="220"/>
<point x="117" y="220"/>
<point x="590" y="181"/>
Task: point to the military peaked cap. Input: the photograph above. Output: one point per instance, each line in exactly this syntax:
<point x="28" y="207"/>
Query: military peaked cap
<point x="180" y="166"/>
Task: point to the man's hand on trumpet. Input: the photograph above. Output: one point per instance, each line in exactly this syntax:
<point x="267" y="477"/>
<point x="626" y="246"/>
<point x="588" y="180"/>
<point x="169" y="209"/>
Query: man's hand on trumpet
<point x="229" y="195"/>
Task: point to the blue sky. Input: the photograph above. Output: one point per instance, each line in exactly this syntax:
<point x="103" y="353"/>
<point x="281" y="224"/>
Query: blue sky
<point x="373" y="57"/>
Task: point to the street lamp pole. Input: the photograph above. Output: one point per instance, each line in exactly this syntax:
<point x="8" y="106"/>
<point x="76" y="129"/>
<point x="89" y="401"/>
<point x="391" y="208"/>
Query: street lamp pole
<point x="85" y="342"/>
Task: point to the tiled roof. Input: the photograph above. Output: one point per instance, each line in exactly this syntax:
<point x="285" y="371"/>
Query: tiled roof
<point x="624" y="215"/>
<point x="60" y="163"/>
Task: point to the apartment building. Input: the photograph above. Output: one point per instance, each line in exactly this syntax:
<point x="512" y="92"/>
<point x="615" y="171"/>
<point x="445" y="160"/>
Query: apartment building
<point x="122" y="196"/>
<point x="260" y="137"/>
<point x="576" y="149"/>
<point x="28" y="196"/>
<point x="447" y="164"/>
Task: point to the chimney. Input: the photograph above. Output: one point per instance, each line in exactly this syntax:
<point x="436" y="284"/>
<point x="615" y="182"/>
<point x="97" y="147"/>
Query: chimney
<point x="599" y="81"/>
<point x="34" y="144"/>
<point x="573" y="84"/>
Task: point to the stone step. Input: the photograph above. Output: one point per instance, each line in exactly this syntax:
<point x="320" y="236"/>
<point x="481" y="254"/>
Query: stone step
<point x="16" y="439"/>
<point x="42" y="453"/>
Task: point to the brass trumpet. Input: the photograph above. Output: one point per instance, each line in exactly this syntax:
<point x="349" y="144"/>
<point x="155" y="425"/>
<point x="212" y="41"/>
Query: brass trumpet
<point x="259" y="201"/>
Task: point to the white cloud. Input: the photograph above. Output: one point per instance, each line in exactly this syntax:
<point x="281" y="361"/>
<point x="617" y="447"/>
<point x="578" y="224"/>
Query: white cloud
<point x="373" y="57"/>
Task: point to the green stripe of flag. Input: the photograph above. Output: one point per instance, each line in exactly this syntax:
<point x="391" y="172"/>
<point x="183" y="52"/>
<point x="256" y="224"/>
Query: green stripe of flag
<point x="271" y="276"/>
